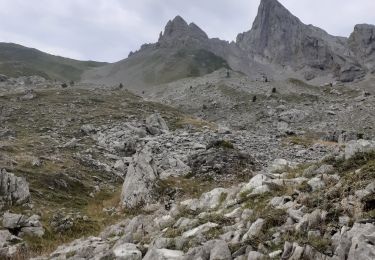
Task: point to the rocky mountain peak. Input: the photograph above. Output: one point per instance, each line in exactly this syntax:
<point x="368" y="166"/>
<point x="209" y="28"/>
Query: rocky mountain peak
<point x="272" y="18"/>
<point x="364" y="35"/>
<point x="178" y="32"/>
<point x="176" y="26"/>
<point x="280" y="38"/>
<point x="273" y="11"/>
<point x="274" y="8"/>
<point x="362" y="44"/>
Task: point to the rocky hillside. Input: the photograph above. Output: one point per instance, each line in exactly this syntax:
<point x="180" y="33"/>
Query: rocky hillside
<point x="92" y="173"/>
<point x="17" y="60"/>
<point x="193" y="148"/>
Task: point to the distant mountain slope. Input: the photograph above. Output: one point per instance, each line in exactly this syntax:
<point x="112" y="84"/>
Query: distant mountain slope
<point x="17" y="60"/>
<point x="178" y="54"/>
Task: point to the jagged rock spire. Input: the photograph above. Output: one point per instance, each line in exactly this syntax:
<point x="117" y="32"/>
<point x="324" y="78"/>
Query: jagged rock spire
<point x="178" y="31"/>
<point x="272" y="18"/>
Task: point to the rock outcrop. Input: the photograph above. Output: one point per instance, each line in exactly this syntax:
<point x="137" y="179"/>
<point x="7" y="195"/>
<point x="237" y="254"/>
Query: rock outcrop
<point x="22" y="225"/>
<point x="140" y="180"/>
<point x="359" y="146"/>
<point x="279" y="37"/>
<point x="178" y="33"/>
<point x="362" y="43"/>
<point x="13" y="190"/>
<point x="156" y="125"/>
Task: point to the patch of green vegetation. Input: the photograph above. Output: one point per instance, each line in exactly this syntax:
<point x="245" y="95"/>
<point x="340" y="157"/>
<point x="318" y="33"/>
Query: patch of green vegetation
<point x="216" y="218"/>
<point x="96" y="221"/>
<point x="187" y="187"/>
<point x="300" y="140"/>
<point x="299" y="82"/>
<point x="173" y="232"/>
<point x="213" y="233"/>
<point x="365" y="160"/>
<point x="163" y="66"/>
<point x="222" y="144"/>
<point x="186" y="121"/>
<point x="319" y="243"/>
<point x="223" y="197"/>
<point x="236" y="95"/>
<point x="201" y="62"/>
<point x="304" y="187"/>
<point x="257" y="202"/>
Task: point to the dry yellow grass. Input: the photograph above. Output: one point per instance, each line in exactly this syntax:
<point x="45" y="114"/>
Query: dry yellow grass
<point x="198" y="123"/>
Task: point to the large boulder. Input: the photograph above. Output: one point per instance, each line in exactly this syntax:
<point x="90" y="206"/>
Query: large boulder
<point x="359" y="146"/>
<point x="356" y="243"/>
<point x="13" y="190"/>
<point x="127" y="251"/>
<point x="22" y="225"/>
<point x="362" y="43"/>
<point x="173" y="166"/>
<point x="211" y="200"/>
<point x="254" y="229"/>
<point x="295" y="252"/>
<point x="212" y="250"/>
<point x="84" y="248"/>
<point x="163" y="254"/>
<point x="156" y="125"/>
<point x="139" y="184"/>
<point x="9" y="246"/>
<point x="255" y="182"/>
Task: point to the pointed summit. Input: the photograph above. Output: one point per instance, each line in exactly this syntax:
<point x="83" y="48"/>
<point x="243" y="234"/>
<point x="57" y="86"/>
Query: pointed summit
<point x="272" y="18"/>
<point x="278" y="37"/>
<point x="362" y="44"/>
<point x="179" y="32"/>
<point x="272" y="12"/>
<point x="176" y="26"/>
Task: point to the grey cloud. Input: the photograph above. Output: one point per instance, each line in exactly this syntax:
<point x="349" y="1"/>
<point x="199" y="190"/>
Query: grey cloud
<point x="109" y="29"/>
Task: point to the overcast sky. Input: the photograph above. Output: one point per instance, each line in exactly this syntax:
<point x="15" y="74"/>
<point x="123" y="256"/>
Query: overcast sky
<point x="107" y="30"/>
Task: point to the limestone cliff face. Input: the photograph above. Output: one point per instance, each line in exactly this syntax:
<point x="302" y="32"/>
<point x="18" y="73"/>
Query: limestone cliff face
<point x="280" y="37"/>
<point x="362" y="43"/>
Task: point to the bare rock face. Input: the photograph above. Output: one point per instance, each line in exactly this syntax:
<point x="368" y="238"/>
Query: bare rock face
<point x="22" y="225"/>
<point x="277" y="36"/>
<point x="362" y="43"/>
<point x="178" y="33"/>
<point x="356" y="243"/>
<point x="140" y="180"/>
<point x="13" y="190"/>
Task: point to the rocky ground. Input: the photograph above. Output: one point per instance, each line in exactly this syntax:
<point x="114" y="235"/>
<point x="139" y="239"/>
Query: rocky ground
<point x="228" y="97"/>
<point x="213" y="173"/>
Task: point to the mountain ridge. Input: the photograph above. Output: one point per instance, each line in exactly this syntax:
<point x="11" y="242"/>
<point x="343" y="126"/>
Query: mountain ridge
<point x="279" y="44"/>
<point x="17" y="60"/>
